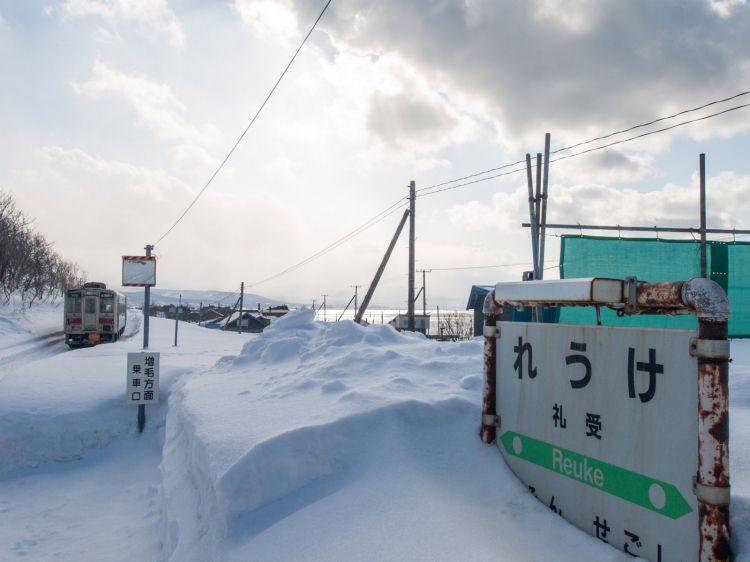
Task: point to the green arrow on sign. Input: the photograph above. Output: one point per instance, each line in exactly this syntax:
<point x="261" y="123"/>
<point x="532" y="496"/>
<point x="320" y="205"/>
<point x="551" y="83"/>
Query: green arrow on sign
<point x="655" y="495"/>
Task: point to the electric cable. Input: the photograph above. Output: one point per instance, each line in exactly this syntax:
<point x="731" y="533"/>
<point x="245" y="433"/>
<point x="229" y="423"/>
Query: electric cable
<point x="575" y="145"/>
<point x="478" y="267"/>
<point x="335" y="244"/>
<point x="588" y="150"/>
<point x="257" y="113"/>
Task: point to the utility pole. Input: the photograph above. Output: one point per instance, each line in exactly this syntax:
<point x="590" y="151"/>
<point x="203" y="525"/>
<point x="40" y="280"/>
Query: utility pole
<point x="146" y="311"/>
<point x="424" y="290"/>
<point x="242" y="296"/>
<point x="381" y="268"/>
<point x="702" y="162"/>
<point x="313" y="304"/>
<point x="324" y="308"/>
<point x="412" y="201"/>
<point x="356" y="308"/>
<point x="176" y="316"/>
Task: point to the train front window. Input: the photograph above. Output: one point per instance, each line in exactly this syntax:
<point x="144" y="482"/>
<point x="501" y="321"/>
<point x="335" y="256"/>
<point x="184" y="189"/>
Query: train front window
<point x="73" y="304"/>
<point x="107" y="305"/>
<point x="90" y="305"/>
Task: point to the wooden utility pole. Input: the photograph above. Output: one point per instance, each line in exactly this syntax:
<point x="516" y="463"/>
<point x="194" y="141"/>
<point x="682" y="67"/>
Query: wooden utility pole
<point x="410" y="299"/>
<point x="379" y="272"/>
<point x="242" y="296"/>
<point x="702" y="162"/>
<point x="324" y="308"/>
<point x="356" y="287"/>
<point x="424" y="290"/>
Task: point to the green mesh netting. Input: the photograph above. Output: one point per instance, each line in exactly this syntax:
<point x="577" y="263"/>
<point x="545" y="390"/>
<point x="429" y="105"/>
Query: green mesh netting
<point x="655" y="260"/>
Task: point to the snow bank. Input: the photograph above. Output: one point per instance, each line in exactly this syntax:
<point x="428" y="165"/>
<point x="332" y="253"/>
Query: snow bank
<point x="60" y="403"/>
<point x="352" y="432"/>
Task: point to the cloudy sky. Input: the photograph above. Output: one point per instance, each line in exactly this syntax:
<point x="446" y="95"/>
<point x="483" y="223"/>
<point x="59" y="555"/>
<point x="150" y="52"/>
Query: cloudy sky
<point x="115" y="113"/>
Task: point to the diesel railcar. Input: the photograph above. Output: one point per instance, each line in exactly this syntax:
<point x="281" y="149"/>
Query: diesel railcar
<point x="93" y="314"/>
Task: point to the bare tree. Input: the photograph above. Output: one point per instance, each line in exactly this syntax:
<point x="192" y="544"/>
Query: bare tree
<point x="455" y="326"/>
<point x="29" y="266"/>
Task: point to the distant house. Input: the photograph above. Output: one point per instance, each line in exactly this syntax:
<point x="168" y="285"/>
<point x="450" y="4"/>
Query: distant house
<point x="421" y="323"/>
<point x="476" y="301"/>
<point x="249" y="322"/>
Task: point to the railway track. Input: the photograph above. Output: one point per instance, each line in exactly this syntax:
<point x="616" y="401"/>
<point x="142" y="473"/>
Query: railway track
<point x="32" y="349"/>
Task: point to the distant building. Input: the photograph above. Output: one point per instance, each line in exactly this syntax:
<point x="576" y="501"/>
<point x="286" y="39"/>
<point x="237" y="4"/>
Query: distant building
<point x="249" y="322"/>
<point x="421" y="323"/>
<point x="476" y="302"/>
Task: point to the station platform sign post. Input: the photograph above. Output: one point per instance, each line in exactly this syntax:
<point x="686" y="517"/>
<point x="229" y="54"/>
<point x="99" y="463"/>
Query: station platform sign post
<point x="621" y="431"/>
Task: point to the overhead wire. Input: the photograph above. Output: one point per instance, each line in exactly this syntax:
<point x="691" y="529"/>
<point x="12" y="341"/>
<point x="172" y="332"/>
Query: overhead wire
<point x="254" y="118"/>
<point x="478" y="266"/>
<point x="338" y="242"/>
<point x="582" y="143"/>
<point x="581" y="152"/>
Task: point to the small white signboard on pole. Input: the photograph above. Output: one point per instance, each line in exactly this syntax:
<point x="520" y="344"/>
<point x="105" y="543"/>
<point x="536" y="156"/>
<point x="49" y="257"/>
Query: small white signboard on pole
<point x="138" y="271"/>
<point x="601" y="424"/>
<point x="142" y="378"/>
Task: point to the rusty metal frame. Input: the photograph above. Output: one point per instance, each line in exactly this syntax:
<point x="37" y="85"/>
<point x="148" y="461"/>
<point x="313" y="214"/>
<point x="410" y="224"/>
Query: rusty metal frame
<point x="709" y="303"/>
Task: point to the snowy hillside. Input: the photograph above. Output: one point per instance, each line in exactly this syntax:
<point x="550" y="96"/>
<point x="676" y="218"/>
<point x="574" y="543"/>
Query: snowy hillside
<point x="310" y="441"/>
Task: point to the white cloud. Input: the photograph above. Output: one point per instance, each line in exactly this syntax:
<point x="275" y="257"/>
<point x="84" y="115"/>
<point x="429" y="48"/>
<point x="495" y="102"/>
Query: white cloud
<point x="153" y="102"/>
<point x="274" y="19"/>
<point x="153" y="16"/>
<point x="725" y="7"/>
<point x="544" y="66"/>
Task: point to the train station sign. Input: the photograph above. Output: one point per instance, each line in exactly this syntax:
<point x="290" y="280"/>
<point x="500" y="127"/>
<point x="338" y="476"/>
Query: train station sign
<point x="142" y="381"/>
<point x="601" y="424"/>
<point x="138" y="271"/>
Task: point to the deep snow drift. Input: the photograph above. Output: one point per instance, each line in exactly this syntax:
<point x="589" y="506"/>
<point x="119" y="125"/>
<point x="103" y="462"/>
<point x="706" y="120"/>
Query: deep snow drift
<point x="310" y="441"/>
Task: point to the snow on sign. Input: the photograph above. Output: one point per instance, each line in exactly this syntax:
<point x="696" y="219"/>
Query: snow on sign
<point x="142" y="378"/>
<point x="600" y="423"/>
<point x="138" y="271"/>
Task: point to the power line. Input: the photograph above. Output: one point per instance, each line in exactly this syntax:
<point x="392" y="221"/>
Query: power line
<point x="651" y="132"/>
<point x="629" y="139"/>
<point x="257" y="113"/>
<point x="478" y="266"/>
<point x="603" y="137"/>
<point x="335" y="244"/>
<point x="651" y="122"/>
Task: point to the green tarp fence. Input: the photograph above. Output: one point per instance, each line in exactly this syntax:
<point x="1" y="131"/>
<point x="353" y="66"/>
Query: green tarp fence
<point x="654" y="260"/>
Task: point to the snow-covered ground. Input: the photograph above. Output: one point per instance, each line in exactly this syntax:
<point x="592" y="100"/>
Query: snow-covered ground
<point x="310" y="441"/>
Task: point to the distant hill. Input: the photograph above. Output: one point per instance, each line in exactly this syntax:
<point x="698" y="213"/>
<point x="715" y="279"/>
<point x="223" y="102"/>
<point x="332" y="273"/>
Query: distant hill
<point x="194" y="298"/>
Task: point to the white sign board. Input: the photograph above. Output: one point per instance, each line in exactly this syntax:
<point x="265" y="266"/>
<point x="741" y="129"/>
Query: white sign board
<point x="138" y="271"/>
<point x="601" y="424"/>
<point x="142" y="385"/>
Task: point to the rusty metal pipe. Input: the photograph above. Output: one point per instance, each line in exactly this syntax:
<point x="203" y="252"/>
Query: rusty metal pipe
<point x="711" y="306"/>
<point x="492" y="311"/>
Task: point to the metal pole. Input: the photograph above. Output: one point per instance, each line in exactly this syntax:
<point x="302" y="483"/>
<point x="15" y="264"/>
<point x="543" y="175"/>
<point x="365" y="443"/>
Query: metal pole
<point x="356" y="293"/>
<point x="491" y="310"/>
<point x="545" y="182"/>
<point x="532" y="215"/>
<point x="702" y="160"/>
<point x="146" y="304"/>
<point x="410" y="310"/>
<point x="538" y="195"/>
<point x="146" y="313"/>
<point x="176" y="316"/>
<point x="381" y="269"/>
<point x="688" y="230"/>
<point x="242" y="297"/>
<point x="424" y="294"/>
<point x="534" y="232"/>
